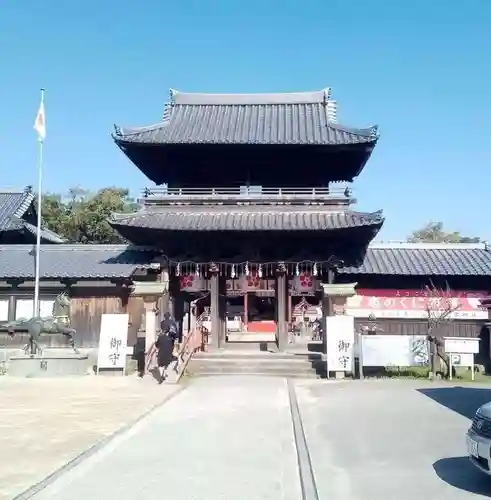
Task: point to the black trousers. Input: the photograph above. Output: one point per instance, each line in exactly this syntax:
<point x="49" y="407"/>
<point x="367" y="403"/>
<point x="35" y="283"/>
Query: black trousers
<point x="140" y="364"/>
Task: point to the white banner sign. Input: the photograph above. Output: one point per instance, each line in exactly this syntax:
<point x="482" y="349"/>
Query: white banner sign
<point x="113" y="341"/>
<point x="24" y="308"/>
<point x="4" y="310"/>
<point x="340" y="335"/>
<point x="461" y="345"/>
<point x="394" y="350"/>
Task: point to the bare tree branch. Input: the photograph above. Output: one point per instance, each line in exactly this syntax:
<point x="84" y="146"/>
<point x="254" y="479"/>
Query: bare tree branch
<point x="440" y="306"/>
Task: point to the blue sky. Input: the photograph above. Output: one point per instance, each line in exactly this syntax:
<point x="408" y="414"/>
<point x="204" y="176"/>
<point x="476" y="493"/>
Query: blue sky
<point x="420" y="70"/>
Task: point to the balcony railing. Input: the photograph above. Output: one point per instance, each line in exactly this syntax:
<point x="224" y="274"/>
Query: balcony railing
<point x="247" y="194"/>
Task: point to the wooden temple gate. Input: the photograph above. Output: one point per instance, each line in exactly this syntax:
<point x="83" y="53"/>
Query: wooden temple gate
<point x="243" y="198"/>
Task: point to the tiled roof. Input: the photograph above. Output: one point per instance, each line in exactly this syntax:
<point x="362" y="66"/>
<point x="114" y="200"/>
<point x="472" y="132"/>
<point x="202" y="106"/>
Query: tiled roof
<point x="46" y="234"/>
<point x="13" y="204"/>
<point x="13" y="207"/>
<point x="425" y="259"/>
<point x="306" y="118"/>
<point x="73" y="261"/>
<point x="119" y="261"/>
<point x="232" y="218"/>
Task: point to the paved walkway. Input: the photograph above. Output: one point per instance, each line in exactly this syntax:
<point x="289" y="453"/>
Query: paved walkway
<point x="238" y="438"/>
<point x="220" y="439"/>
<point x="392" y="439"/>
<point x="45" y="423"/>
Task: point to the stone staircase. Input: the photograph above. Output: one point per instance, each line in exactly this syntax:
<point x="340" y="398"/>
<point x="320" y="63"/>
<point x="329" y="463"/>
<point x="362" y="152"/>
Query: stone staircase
<point x="248" y="359"/>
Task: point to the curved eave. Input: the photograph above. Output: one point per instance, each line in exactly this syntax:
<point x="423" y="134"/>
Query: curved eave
<point x="47" y="236"/>
<point x="247" y="220"/>
<point x="334" y="136"/>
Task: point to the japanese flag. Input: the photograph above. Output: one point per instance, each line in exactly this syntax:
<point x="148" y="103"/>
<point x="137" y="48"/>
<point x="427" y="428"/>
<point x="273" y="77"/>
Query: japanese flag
<point x="40" y="123"/>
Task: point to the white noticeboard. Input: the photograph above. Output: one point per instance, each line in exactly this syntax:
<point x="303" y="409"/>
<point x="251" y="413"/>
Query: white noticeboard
<point x="461" y="352"/>
<point x="25" y="307"/>
<point x="113" y="342"/>
<point x="4" y="310"/>
<point x="340" y="337"/>
<point x="394" y="350"/>
<point x="461" y="345"/>
<point x="464" y="359"/>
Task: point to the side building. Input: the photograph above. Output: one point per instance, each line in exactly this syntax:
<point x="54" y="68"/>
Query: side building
<point x="98" y="278"/>
<point x="391" y="285"/>
<point x="18" y="219"/>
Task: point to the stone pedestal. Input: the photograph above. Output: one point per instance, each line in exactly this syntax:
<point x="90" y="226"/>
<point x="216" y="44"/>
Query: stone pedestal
<point x="60" y="365"/>
<point x="334" y="303"/>
<point x="151" y="292"/>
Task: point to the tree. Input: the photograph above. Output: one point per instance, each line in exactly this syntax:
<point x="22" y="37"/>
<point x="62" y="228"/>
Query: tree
<point x="440" y="307"/>
<point x="433" y="232"/>
<point x="82" y="216"/>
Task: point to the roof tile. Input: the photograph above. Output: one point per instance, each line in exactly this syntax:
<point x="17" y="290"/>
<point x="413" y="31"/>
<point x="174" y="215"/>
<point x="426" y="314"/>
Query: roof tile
<point x="248" y="219"/>
<point x="119" y="261"/>
<point x="13" y="208"/>
<point x="73" y="261"/>
<point x="425" y="260"/>
<point x="294" y="124"/>
<point x="13" y="204"/>
<point x="289" y="118"/>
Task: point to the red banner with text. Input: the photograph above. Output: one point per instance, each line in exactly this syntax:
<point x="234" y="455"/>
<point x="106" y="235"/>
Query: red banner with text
<point x="415" y="304"/>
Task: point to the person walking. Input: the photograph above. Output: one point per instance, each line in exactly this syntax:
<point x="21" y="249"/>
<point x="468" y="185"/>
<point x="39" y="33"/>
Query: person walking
<point x="139" y="353"/>
<point x="165" y="349"/>
<point x="169" y="327"/>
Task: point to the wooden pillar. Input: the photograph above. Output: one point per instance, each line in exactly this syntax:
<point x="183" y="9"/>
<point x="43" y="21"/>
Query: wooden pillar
<point x="178" y="306"/>
<point x="216" y="308"/>
<point x="222" y="310"/>
<point x="327" y="309"/>
<point x="174" y="292"/>
<point x="164" y="299"/>
<point x="281" y="307"/>
<point x="12" y="306"/>
<point x="246" y="310"/>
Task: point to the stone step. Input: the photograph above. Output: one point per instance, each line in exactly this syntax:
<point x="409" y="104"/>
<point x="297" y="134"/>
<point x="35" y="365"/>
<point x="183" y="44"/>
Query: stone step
<point x="265" y="364"/>
<point x="281" y="365"/>
<point x="261" y="356"/>
<point x="310" y="375"/>
<point x="227" y="369"/>
<point x="257" y="361"/>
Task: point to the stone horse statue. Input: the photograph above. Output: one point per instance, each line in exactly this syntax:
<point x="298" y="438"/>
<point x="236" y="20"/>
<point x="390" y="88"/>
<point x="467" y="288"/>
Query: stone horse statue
<point x="58" y="323"/>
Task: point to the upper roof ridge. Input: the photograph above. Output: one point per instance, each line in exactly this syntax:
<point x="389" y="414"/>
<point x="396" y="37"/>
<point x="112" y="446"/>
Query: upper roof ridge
<point x="25" y="190"/>
<point x="196" y="98"/>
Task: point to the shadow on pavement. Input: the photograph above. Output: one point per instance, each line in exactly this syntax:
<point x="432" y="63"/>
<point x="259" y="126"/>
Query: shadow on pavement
<point x="463" y="400"/>
<point x="460" y="473"/>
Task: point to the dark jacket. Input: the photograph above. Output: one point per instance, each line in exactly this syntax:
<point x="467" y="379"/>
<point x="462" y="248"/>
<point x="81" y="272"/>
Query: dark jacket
<point x="169" y="326"/>
<point x="165" y="346"/>
<point x="139" y="348"/>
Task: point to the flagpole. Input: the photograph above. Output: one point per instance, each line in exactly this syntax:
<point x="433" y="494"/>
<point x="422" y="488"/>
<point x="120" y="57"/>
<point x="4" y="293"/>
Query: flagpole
<point x="39" y="219"/>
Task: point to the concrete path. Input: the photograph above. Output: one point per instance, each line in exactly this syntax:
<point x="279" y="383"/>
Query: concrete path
<point x="45" y="423"/>
<point x="238" y="438"/>
<point x="389" y="439"/>
<point x="220" y="439"/>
